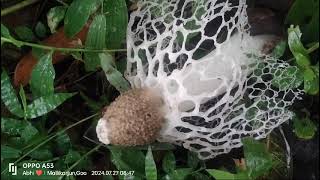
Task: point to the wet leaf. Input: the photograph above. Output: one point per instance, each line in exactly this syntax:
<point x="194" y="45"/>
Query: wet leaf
<point x="224" y="175"/>
<point x="9" y="152"/>
<point x="8" y="96"/>
<point x="78" y="14"/>
<point x="42" y="77"/>
<point x="95" y="40"/>
<point x="41" y="30"/>
<point x="258" y="160"/>
<point x="45" y="104"/>
<point x="116" y="15"/>
<point x="169" y="162"/>
<point x="12" y="126"/>
<point x="55" y="16"/>
<point x="304" y="128"/>
<point x="28" y="132"/>
<point x="24" y="33"/>
<point x="288" y="78"/>
<point x="294" y="42"/>
<point x="311" y="82"/>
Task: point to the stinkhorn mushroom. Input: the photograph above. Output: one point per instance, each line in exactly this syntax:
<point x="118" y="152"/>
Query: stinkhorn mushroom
<point x="199" y="79"/>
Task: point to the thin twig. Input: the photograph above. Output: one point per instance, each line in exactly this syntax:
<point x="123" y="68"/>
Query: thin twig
<point x="17" y="7"/>
<point x="22" y="43"/>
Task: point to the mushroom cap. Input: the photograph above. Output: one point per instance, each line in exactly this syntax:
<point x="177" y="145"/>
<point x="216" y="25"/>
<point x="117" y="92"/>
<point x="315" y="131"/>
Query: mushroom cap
<point x="134" y="118"/>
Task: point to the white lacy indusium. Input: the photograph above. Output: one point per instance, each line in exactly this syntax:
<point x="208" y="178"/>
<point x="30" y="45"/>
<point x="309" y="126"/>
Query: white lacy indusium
<point x="215" y="84"/>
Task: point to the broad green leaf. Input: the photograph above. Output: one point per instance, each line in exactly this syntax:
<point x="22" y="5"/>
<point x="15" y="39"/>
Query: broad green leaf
<point x="169" y="162"/>
<point x="193" y="159"/>
<point x="304" y="128"/>
<point x="279" y="50"/>
<point x="117" y="19"/>
<point x="28" y="132"/>
<point x="114" y="77"/>
<point x="63" y="143"/>
<point x="72" y="157"/>
<point x="9" y="152"/>
<point x="288" y="78"/>
<point x="25" y="33"/>
<point x="199" y="176"/>
<point x="95" y="40"/>
<point x="78" y="14"/>
<point x="295" y="45"/>
<point x="41" y="30"/>
<point x="311" y="82"/>
<point x="5" y="32"/>
<point x="150" y="166"/>
<point x="42" y="77"/>
<point x="221" y="175"/>
<point x="41" y="154"/>
<point x="128" y="160"/>
<point x="55" y="16"/>
<point x="8" y="96"/>
<point x="258" y="160"/>
<point x="45" y="104"/>
<point x="12" y="126"/>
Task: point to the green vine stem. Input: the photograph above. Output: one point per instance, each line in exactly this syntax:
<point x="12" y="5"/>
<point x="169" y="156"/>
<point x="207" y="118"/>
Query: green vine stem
<point x="50" y="138"/>
<point x="18" y="6"/>
<point x="22" y="43"/>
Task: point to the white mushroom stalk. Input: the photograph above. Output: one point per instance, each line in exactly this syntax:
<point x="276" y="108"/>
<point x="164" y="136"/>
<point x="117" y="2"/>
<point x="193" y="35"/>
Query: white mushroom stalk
<point x="215" y="83"/>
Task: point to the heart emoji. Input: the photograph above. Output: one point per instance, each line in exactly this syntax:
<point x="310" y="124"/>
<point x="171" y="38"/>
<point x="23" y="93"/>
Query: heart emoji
<point x="39" y="172"/>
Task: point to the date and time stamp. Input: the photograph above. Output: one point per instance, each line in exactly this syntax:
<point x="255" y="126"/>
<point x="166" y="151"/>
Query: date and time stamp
<point x="112" y="173"/>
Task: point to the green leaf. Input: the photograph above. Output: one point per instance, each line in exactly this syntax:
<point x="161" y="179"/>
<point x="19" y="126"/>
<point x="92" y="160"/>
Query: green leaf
<point x="95" y="40"/>
<point x="150" y="166"/>
<point x="169" y="162"/>
<point x="41" y="154"/>
<point x="128" y="160"/>
<point x="9" y="97"/>
<point x="55" y="16"/>
<point x="28" y="132"/>
<point x="114" y="77"/>
<point x="304" y="128"/>
<point x="5" y="32"/>
<point x="78" y="14"/>
<point x="302" y="61"/>
<point x="221" y="175"/>
<point x="279" y="50"/>
<point x="72" y="157"/>
<point x="295" y="45"/>
<point x="297" y="13"/>
<point x="46" y="104"/>
<point x="193" y="159"/>
<point x="179" y="174"/>
<point x="12" y="126"/>
<point x="41" y="30"/>
<point x="63" y="143"/>
<point x="311" y="81"/>
<point x="25" y="33"/>
<point x="9" y="152"/>
<point x="117" y="19"/>
<point x="42" y="77"/>
<point x="258" y="160"/>
<point x="289" y="78"/>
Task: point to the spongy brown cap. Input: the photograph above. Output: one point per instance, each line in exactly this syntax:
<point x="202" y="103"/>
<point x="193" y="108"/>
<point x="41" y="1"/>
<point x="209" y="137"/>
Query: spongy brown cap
<point x="134" y="118"/>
